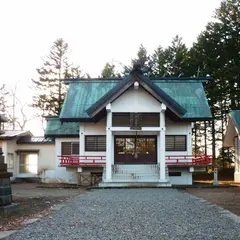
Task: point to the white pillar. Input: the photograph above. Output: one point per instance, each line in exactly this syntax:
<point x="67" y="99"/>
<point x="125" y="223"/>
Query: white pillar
<point x="189" y="140"/>
<point x="112" y="149"/>
<point x="158" y="148"/>
<point x="162" y="142"/>
<point x="109" y="144"/>
<point x="81" y="140"/>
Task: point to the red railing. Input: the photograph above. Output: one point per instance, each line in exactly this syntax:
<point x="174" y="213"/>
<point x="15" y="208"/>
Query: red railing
<point x="199" y="159"/>
<point x="82" y="160"/>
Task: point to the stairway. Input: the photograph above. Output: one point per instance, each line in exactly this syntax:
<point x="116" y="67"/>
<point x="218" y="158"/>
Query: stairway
<point x="135" y="175"/>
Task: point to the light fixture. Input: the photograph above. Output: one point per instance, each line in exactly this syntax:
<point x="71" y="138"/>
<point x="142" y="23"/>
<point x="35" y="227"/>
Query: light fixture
<point x="136" y="85"/>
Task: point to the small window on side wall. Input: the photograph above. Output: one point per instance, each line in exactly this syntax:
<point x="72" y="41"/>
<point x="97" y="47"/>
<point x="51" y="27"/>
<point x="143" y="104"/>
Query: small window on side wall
<point x="176" y="143"/>
<point x="70" y="148"/>
<point x="10" y="161"/>
<point x="175" y="174"/>
<point x="95" y="143"/>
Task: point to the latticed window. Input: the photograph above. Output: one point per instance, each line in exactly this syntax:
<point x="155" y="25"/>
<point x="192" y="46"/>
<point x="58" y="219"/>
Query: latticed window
<point x="176" y="143"/>
<point x="136" y="120"/>
<point x="95" y="143"/>
<point x="70" y="148"/>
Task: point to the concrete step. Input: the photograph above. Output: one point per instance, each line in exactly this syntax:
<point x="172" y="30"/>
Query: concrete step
<point x="138" y="169"/>
<point x="136" y="173"/>
<point x="149" y="180"/>
<point x="121" y="184"/>
<point x="132" y="176"/>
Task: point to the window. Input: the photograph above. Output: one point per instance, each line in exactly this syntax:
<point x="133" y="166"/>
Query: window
<point x="132" y="144"/>
<point x="176" y="143"/>
<point x="175" y="174"/>
<point x="28" y="163"/>
<point x="95" y="143"/>
<point x="150" y="119"/>
<point x="121" y="119"/>
<point x="70" y="148"/>
<point x="10" y="161"/>
<point x="135" y="120"/>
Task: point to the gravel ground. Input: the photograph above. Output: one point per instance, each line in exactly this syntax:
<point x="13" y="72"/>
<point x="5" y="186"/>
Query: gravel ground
<point x="159" y="214"/>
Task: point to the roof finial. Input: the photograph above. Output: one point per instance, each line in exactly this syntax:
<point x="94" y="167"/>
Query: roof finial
<point x="137" y="67"/>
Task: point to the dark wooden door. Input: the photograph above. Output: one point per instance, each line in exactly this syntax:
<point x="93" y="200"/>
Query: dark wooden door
<point x="135" y="150"/>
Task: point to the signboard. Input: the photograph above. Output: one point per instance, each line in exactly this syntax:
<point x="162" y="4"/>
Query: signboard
<point x="135" y="121"/>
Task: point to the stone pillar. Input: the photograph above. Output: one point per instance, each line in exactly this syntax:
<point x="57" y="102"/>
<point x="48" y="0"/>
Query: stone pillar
<point x="162" y="144"/>
<point x="5" y="188"/>
<point x="109" y="144"/>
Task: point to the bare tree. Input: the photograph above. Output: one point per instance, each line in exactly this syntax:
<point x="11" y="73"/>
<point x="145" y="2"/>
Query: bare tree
<point x="18" y="110"/>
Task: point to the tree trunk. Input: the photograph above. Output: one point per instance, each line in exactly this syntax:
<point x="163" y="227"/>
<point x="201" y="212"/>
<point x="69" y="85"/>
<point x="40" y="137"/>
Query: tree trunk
<point x="213" y="143"/>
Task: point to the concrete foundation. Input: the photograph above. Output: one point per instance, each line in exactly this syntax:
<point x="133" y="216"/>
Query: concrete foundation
<point x="237" y="177"/>
<point x="6" y="210"/>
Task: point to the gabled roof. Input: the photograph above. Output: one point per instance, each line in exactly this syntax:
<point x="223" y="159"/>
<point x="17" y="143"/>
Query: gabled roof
<point x="235" y="116"/>
<point x="11" y="134"/>
<point x="126" y="84"/>
<point x="55" y="128"/>
<point x="185" y="97"/>
<point x="233" y="128"/>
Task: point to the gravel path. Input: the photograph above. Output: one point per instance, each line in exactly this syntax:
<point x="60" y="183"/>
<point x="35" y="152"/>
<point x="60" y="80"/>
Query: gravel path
<point x="159" y="214"/>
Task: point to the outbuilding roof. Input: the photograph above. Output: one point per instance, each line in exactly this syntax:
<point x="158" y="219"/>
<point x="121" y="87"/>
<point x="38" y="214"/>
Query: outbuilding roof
<point x="233" y="128"/>
<point x="11" y="134"/>
<point x="35" y="140"/>
<point x="56" y="128"/>
<point x="235" y="116"/>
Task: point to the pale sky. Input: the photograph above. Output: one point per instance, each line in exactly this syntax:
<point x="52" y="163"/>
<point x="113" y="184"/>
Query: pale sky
<point x="97" y="31"/>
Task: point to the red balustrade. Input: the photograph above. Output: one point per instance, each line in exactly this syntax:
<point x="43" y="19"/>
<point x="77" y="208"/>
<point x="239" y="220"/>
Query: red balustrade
<point x="197" y="160"/>
<point x="82" y="160"/>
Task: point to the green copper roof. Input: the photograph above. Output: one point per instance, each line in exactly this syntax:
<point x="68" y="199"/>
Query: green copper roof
<point x="187" y="93"/>
<point x="235" y="115"/>
<point x="56" y="128"/>
<point x="125" y="84"/>
<point x="82" y="95"/>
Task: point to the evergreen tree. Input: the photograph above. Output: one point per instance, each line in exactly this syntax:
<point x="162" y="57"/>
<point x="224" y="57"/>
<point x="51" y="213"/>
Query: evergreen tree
<point x="217" y="52"/>
<point x="173" y="60"/>
<point x="142" y="57"/>
<point x="159" y="60"/>
<point x="108" y="71"/>
<point x="50" y="89"/>
<point x="177" y="57"/>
